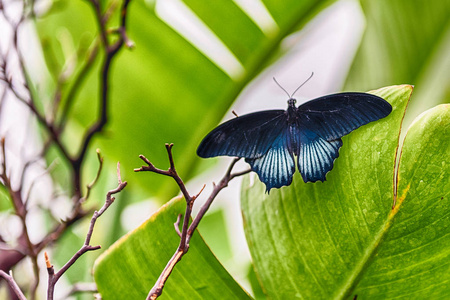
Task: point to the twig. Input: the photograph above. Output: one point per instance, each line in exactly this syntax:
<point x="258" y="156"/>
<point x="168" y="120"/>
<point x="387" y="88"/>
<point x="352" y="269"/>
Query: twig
<point x="177" y="225"/>
<point x="30" y="103"/>
<point x="21" y="211"/>
<point x="187" y="231"/>
<point x="77" y="213"/>
<point x="110" y="51"/>
<point x="13" y="284"/>
<point x="217" y="188"/>
<point x="54" y="277"/>
<point x="91" y="185"/>
<point x="54" y="129"/>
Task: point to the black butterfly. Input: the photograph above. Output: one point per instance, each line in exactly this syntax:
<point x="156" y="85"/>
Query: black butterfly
<point x="268" y="140"/>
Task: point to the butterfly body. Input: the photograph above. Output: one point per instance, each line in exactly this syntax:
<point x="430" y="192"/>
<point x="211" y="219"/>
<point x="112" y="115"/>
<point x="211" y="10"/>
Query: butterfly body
<point x="269" y="140"/>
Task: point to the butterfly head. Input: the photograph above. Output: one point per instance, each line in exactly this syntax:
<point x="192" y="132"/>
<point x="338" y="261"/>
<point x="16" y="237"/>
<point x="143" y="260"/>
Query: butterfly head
<point x="291" y="102"/>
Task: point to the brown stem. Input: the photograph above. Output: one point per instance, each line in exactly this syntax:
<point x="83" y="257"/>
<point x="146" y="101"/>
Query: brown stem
<point x="9" y="258"/>
<point x="13" y="284"/>
<point x="21" y="211"/>
<point x="187" y="231"/>
<point x="54" y="277"/>
<point x="110" y="52"/>
<point x="176" y="225"/>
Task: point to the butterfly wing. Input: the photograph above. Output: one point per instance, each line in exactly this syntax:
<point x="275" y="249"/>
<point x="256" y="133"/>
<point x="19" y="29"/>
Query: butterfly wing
<point x="316" y="156"/>
<point x="248" y="136"/>
<point x="323" y="121"/>
<point x="333" y="116"/>
<point x="275" y="168"/>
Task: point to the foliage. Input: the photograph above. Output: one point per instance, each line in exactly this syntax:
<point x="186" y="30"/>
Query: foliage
<point x="335" y="239"/>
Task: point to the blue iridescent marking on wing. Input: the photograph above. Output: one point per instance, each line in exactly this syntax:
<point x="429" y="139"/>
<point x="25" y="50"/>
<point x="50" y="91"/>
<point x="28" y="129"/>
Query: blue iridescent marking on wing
<point x="333" y="116"/>
<point x="245" y="136"/>
<point x="316" y="156"/>
<point x="275" y="168"/>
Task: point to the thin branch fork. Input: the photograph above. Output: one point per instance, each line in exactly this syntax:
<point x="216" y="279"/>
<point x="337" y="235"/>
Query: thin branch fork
<point x="54" y="277"/>
<point x="77" y="212"/>
<point x="21" y="211"/>
<point x="187" y="230"/>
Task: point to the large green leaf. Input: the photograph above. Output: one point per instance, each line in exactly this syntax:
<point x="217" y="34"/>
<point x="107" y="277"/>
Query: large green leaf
<point x="167" y="89"/>
<point x="406" y="41"/>
<point x="412" y="261"/>
<point x="314" y="240"/>
<point x="132" y="265"/>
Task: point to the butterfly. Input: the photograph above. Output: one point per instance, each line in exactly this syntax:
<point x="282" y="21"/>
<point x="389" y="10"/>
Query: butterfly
<point x="268" y="140"/>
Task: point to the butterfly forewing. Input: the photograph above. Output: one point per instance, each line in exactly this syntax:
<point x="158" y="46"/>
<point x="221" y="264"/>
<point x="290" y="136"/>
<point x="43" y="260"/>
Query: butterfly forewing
<point x="248" y="136"/>
<point x="333" y="116"/>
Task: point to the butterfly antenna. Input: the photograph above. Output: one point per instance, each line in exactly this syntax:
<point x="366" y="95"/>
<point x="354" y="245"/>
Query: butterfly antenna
<point x="281" y="87"/>
<point x="312" y="74"/>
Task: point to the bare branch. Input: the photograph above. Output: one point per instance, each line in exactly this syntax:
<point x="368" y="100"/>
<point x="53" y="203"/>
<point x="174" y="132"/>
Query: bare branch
<point x="13" y="284"/>
<point x="110" y="52"/>
<point x="91" y="185"/>
<point x="187" y="231"/>
<point x="21" y="211"/>
<point x="54" y="277"/>
<point x="54" y="129"/>
<point x="177" y="225"/>
<point x="170" y="172"/>
<point x="217" y="188"/>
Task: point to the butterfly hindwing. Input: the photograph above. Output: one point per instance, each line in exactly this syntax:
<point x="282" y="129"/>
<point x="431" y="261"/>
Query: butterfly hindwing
<point x="333" y="116"/>
<point x="276" y="167"/>
<point x="316" y="156"/>
<point x="247" y="136"/>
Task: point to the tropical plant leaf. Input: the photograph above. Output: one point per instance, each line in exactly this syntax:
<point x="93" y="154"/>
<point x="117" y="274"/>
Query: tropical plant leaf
<point x="132" y="265"/>
<point x="315" y="240"/>
<point x="413" y="260"/>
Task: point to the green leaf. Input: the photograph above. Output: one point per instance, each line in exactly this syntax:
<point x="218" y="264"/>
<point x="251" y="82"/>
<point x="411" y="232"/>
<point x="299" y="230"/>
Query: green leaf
<point x="413" y="259"/>
<point x="213" y="229"/>
<point x="315" y="240"/>
<point x="5" y="199"/>
<point x="132" y="265"/>
<point x="406" y="41"/>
